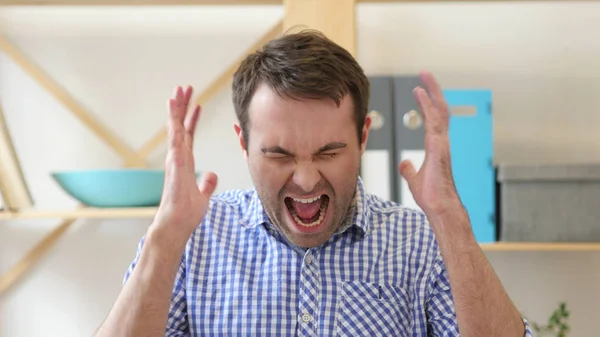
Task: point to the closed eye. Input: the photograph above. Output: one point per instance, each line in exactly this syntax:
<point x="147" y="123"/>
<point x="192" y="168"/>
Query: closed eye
<point x="278" y="156"/>
<point x="331" y="150"/>
<point x="276" y="152"/>
<point x="330" y="155"/>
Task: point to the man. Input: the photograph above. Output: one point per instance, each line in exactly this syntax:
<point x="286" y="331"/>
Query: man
<point x="308" y="252"/>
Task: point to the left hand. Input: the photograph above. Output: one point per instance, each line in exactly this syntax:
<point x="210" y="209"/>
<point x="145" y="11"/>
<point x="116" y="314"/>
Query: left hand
<point x="433" y="186"/>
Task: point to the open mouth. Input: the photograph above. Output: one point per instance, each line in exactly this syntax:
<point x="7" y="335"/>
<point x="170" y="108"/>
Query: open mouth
<point x="308" y="212"/>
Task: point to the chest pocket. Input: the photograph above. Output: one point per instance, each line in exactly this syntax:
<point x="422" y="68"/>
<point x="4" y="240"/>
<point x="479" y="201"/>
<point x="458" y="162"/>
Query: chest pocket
<point x="371" y="309"/>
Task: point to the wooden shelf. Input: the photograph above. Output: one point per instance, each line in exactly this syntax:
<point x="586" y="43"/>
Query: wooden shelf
<point x="135" y="2"/>
<point x="201" y="2"/>
<point x="140" y="2"/>
<point x="148" y="212"/>
<point x="540" y="246"/>
<point x="142" y="212"/>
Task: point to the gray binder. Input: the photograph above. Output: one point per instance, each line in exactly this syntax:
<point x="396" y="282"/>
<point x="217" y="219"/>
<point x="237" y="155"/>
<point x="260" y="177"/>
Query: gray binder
<point x="378" y="161"/>
<point x="409" y="133"/>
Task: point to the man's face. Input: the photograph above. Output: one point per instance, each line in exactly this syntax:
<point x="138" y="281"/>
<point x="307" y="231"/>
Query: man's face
<point x="304" y="159"/>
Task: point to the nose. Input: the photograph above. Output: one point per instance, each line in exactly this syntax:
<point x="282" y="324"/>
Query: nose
<point x="306" y="176"/>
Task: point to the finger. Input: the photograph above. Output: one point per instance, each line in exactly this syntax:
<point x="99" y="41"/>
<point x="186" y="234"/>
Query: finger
<point x="183" y="96"/>
<point x="407" y="170"/>
<point x="187" y="97"/>
<point x="432" y="120"/>
<point x="190" y="125"/>
<point x="176" y="106"/>
<point x="176" y="131"/>
<point x="208" y="183"/>
<point x="188" y="94"/>
<point x="435" y="91"/>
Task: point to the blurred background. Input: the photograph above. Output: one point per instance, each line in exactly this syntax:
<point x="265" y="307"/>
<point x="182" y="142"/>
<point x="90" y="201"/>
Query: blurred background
<point x="539" y="59"/>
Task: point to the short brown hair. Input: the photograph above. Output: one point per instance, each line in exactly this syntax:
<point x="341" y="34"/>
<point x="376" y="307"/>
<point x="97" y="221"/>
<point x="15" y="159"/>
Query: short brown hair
<point x="303" y="65"/>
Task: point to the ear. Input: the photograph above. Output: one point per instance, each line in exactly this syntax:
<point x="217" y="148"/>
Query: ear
<point x="240" y="135"/>
<point x="365" y="134"/>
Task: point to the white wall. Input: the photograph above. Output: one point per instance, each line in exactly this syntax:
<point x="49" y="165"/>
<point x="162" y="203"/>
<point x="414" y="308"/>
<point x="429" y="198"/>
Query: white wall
<point x="122" y="66"/>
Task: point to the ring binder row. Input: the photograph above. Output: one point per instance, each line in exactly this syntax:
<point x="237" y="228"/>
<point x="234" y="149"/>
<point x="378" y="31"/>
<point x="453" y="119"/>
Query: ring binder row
<point x="397" y="133"/>
<point x="14" y="191"/>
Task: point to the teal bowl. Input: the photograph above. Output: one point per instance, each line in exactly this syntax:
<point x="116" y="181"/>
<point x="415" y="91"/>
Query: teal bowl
<point x="113" y="187"/>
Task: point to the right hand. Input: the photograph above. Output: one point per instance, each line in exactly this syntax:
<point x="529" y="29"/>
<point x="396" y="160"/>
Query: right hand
<point x="184" y="201"/>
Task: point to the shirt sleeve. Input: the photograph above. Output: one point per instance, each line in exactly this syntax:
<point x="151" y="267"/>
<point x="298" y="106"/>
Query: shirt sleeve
<point x="528" y="332"/>
<point x="177" y="322"/>
<point x="441" y="315"/>
<point x="440" y="306"/>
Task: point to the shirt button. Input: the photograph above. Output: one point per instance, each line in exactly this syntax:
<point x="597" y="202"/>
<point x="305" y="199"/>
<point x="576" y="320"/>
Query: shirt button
<point x="308" y="259"/>
<point x="306" y="317"/>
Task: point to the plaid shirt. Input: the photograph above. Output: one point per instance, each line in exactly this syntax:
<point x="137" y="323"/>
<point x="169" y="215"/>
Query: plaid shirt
<point x="381" y="274"/>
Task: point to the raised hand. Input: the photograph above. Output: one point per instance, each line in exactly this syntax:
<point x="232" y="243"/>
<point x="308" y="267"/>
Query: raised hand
<point x="433" y="185"/>
<point x="184" y="202"/>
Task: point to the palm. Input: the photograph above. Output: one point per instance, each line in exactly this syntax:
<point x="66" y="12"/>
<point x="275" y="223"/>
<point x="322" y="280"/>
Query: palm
<point x="184" y="204"/>
<point x="432" y="186"/>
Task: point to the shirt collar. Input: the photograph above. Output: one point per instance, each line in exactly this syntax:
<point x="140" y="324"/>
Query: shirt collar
<point x="360" y="213"/>
<point x="256" y="215"/>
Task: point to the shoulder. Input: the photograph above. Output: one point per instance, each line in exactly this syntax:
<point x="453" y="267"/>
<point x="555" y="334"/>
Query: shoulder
<point x="227" y="212"/>
<point x="409" y="235"/>
<point x="406" y="230"/>
<point x="230" y="203"/>
<point x="390" y="215"/>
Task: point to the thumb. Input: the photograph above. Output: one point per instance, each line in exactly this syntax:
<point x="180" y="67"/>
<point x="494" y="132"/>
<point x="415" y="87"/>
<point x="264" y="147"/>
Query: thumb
<point x="407" y="170"/>
<point x="208" y="183"/>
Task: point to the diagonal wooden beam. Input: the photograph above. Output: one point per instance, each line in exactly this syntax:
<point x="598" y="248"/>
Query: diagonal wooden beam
<point x="217" y="85"/>
<point x="131" y="158"/>
<point x="334" y="18"/>
<point x="33" y="256"/>
<point x="14" y="189"/>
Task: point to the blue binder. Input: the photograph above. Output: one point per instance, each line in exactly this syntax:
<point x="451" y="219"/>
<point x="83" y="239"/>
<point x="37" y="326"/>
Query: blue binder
<point x="471" y="148"/>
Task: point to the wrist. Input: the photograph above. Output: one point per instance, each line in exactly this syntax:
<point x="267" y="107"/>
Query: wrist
<point x="159" y="261"/>
<point x="165" y="244"/>
<point x="453" y="227"/>
<point x="168" y="235"/>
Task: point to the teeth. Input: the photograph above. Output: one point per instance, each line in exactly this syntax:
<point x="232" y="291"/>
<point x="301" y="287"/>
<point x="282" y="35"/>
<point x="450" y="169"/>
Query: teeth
<point x="312" y="224"/>
<point x="307" y="201"/>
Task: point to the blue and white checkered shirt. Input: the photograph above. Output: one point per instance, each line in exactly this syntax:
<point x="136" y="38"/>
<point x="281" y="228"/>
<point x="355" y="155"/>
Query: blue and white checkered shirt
<point x="381" y="274"/>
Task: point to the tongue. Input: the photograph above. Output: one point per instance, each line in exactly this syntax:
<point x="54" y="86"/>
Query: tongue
<point x="307" y="211"/>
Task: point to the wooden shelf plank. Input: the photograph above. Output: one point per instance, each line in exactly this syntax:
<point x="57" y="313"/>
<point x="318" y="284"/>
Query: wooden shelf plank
<point x="540" y="246"/>
<point x="135" y="2"/>
<point x="149" y="212"/>
<point x="205" y="2"/>
<point x="83" y="213"/>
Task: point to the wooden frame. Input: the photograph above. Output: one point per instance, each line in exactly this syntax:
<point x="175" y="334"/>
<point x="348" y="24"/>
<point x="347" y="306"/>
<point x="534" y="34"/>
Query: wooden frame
<point x="313" y="13"/>
<point x="130" y="157"/>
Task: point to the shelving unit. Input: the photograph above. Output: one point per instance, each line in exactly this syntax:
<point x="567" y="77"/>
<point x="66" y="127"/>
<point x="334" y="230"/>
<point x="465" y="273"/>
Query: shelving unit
<point x="313" y="13"/>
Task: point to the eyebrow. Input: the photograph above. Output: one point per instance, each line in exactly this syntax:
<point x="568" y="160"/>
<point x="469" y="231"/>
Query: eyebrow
<point x="280" y="150"/>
